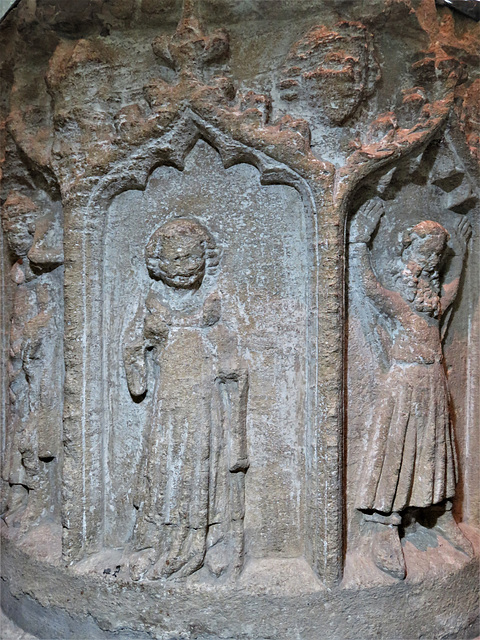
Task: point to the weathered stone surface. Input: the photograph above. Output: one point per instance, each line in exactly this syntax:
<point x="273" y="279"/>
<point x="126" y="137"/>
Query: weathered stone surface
<point x="334" y="71"/>
<point x="240" y="319"/>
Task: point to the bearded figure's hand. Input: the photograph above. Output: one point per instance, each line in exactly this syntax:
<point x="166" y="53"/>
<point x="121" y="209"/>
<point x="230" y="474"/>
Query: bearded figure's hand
<point x="463" y="232"/>
<point x="366" y="220"/>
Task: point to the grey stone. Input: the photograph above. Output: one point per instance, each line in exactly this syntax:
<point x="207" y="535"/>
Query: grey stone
<point x="240" y="319"/>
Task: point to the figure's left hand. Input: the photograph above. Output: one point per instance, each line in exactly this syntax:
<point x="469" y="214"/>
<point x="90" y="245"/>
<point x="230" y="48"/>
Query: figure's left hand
<point x="366" y="220"/>
<point x="240" y="465"/>
<point x="463" y="231"/>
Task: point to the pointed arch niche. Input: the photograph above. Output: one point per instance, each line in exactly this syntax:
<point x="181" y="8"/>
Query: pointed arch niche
<point x="263" y="218"/>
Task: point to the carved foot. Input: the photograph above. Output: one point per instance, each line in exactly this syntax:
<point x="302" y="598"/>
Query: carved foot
<point x="157" y="571"/>
<point x="449" y="529"/>
<point x="174" y="568"/>
<point x="387" y="550"/>
<point x="141" y="562"/>
<point x="184" y="558"/>
<point x="439" y="518"/>
<point x="17" y="504"/>
<point x="217" y="559"/>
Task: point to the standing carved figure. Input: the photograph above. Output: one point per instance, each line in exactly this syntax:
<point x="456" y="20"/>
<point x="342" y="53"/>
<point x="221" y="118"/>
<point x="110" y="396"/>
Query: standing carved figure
<point x="410" y="465"/>
<point x="190" y="495"/>
<point x="35" y="368"/>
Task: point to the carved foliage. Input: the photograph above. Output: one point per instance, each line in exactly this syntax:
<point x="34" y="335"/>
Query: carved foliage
<point x="333" y="70"/>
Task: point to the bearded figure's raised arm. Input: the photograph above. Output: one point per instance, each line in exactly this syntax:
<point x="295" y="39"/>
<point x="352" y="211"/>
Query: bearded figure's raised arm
<point x="460" y="237"/>
<point x="362" y="228"/>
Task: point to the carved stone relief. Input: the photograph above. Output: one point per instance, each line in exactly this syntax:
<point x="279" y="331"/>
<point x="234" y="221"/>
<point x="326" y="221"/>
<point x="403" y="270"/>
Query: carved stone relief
<point x="240" y="329"/>
<point x="406" y="270"/>
<point x="235" y="305"/>
<point x="333" y="70"/>
<point x="35" y="372"/>
<point x="191" y="488"/>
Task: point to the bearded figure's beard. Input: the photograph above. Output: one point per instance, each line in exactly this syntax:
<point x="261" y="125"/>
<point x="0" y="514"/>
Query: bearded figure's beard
<point x="422" y="289"/>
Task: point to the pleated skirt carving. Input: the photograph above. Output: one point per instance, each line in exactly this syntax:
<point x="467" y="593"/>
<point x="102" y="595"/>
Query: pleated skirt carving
<point x="410" y="460"/>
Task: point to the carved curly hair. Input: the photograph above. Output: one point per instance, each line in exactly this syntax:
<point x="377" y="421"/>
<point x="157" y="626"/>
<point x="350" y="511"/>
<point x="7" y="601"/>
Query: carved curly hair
<point x="424" y="229"/>
<point x="174" y="228"/>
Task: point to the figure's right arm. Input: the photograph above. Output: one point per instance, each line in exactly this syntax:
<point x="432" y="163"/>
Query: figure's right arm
<point x="362" y="228"/>
<point x="134" y="355"/>
<point x="360" y="263"/>
<point x="460" y="237"/>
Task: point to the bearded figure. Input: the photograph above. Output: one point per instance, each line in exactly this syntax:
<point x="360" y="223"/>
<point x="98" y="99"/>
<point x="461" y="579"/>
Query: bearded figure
<point x="410" y="466"/>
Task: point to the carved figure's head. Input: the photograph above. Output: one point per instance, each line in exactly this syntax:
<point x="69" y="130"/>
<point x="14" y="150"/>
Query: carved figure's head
<point x="18" y="222"/>
<point x="425" y="243"/>
<point x="177" y="253"/>
<point x="334" y="69"/>
<point x="423" y="251"/>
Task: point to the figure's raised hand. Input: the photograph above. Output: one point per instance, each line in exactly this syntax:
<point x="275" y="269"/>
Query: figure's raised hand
<point x="463" y="232"/>
<point x="366" y="220"/>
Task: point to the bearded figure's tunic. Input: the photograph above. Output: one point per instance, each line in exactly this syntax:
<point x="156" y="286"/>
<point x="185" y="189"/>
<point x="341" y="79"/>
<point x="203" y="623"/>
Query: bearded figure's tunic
<point x="410" y="461"/>
<point x="411" y="453"/>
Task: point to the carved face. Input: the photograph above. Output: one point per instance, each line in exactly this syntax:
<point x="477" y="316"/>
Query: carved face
<point x="18" y="221"/>
<point x="425" y="246"/>
<point x="423" y="255"/>
<point x="182" y="261"/>
<point x="333" y="70"/>
<point x="427" y="252"/>
<point x="176" y="253"/>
